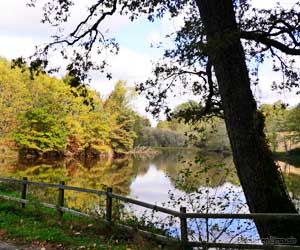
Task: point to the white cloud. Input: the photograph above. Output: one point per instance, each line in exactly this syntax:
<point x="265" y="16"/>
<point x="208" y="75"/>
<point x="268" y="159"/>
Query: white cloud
<point x="128" y="65"/>
<point x="263" y="92"/>
<point x="154" y="38"/>
<point x="12" y="47"/>
<point x="17" y="19"/>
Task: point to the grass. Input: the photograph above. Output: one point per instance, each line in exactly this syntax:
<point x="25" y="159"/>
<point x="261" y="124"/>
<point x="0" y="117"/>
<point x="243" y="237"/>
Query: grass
<point x="31" y="225"/>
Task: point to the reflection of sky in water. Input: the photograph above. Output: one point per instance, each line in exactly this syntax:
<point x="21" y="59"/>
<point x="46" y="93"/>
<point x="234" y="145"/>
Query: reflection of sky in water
<point x="154" y="187"/>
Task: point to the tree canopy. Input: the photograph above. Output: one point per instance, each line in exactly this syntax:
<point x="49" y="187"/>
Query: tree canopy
<point x="45" y="114"/>
<point x="282" y="125"/>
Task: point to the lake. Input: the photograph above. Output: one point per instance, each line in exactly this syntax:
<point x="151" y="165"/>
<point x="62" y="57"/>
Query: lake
<point x="204" y="183"/>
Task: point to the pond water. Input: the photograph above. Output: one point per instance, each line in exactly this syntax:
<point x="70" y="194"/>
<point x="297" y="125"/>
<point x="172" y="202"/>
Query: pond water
<point x="204" y="183"/>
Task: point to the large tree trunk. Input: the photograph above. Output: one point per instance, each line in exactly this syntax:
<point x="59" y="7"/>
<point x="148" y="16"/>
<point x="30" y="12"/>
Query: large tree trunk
<point x="262" y="183"/>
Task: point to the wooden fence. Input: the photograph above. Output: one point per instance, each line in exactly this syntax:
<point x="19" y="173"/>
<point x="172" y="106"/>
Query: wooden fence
<point x="181" y="214"/>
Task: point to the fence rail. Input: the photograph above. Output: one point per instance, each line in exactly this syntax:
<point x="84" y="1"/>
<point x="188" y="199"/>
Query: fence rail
<point x="181" y="214"/>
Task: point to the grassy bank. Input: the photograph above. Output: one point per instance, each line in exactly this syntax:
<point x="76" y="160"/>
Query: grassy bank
<point x="44" y="227"/>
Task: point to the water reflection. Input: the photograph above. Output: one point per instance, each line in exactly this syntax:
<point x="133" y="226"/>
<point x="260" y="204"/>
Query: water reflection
<point x="147" y="178"/>
<point x="210" y="185"/>
<point x="161" y="189"/>
<point x="153" y="186"/>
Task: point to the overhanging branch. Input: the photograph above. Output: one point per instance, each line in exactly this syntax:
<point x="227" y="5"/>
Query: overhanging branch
<point x="264" y="39"/>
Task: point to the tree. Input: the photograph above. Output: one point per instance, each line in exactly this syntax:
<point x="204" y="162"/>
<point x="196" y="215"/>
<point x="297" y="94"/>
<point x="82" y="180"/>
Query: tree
<point x="121" y="119"/>
<point x="156" y="137"/>
<point x="275" y="120"/>
<point x="256" y="169"/>
<point x="293" y="124"/>
<point x="93" y="130"/>
<point x="14" y="97"/>
<point x="43" y="114"/>
<point x="140" y="123"/>
<point x="41" y="131"/>
<point x="209" y="47"/>
<point x="282" y="124"/>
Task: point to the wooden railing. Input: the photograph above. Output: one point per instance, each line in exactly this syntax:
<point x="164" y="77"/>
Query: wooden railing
<point x="181" y="214"/>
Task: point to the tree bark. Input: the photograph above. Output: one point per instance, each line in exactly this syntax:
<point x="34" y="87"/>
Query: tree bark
<point x="259" y="176"/>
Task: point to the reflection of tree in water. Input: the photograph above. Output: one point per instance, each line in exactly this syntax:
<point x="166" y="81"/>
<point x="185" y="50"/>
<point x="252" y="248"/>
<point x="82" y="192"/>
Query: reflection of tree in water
<point x="141" y="165"/>
<point x="210" y="185"/>
<point x="117" y="174"/>
<point x="7" y="159"/>
<point x="6" y="168"/>
<point x="214" y="170"/>
<point x="42" y="173"/>
<point x="53" y="173"/>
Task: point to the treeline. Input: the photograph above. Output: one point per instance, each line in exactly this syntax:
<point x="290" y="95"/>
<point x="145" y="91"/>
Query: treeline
<point x="156" y="137"/>
<point x="210" y="134"/>
<point x="282" y="126"/>
<point x="42" y="115"/>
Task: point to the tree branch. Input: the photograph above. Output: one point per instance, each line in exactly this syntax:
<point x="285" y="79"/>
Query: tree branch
<point x="94" y="27"/>
<point x="264" y="39"/>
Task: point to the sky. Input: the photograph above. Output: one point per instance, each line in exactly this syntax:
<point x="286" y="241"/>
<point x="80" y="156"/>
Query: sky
<point x="21" y="30"/>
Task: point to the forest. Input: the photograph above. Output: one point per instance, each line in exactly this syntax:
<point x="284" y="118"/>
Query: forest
<point x="282" y="126"/>
<point x="42" y="114"/>
<point x="45" y="116"/>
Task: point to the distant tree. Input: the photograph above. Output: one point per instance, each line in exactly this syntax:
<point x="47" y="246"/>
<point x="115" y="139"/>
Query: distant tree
<point x="282" y="124"/>
<point x="94" y="125"/>
<point x="275" y="120"/>
<point x="79" y="89"/>
<point x="121" y="119"/>
<point x="41" y="131"/>
<point x="155" y="137"/>
<point x="293" y="124"/>
<point x="46" y="114"/>
<point x="140" y="123"/>
<point x="14" y="97"/>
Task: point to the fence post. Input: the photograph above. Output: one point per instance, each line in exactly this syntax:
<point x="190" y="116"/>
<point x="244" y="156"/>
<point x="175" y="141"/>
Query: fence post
<point x="61" y="198"/>
<point x="23" y="190"/>
<point x="183" y="228"/>
<point x="108" y="213"/>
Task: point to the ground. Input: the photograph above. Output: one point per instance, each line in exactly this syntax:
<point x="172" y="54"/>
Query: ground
<point x="11" y="246"/>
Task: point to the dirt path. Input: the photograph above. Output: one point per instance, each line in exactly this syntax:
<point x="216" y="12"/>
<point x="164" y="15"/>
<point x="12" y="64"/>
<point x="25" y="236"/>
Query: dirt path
<point x="10" y="246"/>
<point x="288" y="169"/>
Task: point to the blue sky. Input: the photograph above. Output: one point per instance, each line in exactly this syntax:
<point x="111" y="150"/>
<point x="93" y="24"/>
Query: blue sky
<point x="20" y="31"/>
<point x="135" y="36"/>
